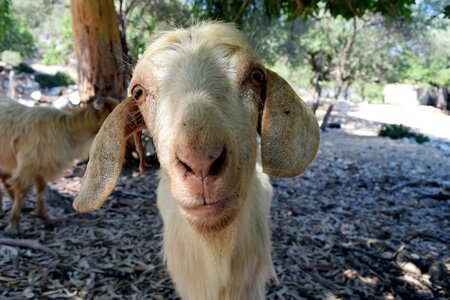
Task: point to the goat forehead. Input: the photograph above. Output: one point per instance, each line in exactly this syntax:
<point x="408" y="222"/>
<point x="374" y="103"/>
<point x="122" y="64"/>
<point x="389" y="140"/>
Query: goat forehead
<point x="200" y="69"/>
<point x="209" y="33"/>
<point x="203" y="47"/>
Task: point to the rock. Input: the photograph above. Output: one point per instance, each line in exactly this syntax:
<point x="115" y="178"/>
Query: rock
<point x="74" y="98"/>
<point x="34" y="85"/>
<point x="334" y="125"/>
<point x="29" y="103"/>
<point x="28" y="293"/>
<point x="7" y="254"/>
<point x="410" y="267"/>
<point x="60" y="102"/>
<point x="55" y="91"/>
<point x="435" y="96"/>
<point x="440" y="145"/>
<point x="400" y="94"/>
<point x="429" y="202"/>
<point x="149" y="148"/>
<point x="36" y="95"/>
<point x="438" y="272"/>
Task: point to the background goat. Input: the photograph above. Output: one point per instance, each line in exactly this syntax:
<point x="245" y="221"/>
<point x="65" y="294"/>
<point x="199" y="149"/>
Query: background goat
<point x="38" y="143"/>
<point x="204" y="95"/>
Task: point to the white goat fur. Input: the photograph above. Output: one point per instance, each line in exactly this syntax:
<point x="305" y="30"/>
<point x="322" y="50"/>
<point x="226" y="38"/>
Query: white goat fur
<point x="233" y="264"/>
<point x="38" y="143"/>
<point x="197" y="94"/>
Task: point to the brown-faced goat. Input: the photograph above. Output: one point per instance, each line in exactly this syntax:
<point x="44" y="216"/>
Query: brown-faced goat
<point x="204" y="95"/>
<point x="38" y="143"/>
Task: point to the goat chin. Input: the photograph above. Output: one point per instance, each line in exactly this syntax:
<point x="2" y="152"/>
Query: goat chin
<point x="233" y="263"/>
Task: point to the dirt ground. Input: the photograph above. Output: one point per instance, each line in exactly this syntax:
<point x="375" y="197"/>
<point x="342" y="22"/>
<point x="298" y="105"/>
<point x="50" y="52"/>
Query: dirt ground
<point x="368" y="220"/>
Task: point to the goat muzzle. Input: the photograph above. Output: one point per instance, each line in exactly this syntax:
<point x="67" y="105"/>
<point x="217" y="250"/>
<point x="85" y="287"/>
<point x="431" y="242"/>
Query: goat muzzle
<point x="205" y="173"/>
<point x="201" y="165"/>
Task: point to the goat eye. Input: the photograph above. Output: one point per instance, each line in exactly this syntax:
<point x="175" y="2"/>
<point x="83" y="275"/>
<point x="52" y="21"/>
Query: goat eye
<point x="257" y="76"/>
<point x="139" y="93"/>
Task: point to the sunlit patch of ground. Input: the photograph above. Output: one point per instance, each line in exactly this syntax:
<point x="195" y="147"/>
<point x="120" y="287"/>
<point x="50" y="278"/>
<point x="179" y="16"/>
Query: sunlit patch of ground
<point x="424" y="119"/>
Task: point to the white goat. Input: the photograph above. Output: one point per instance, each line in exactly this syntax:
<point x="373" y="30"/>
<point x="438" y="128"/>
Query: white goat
<point x="204" y="95"/>
<point x="38" y="143"/>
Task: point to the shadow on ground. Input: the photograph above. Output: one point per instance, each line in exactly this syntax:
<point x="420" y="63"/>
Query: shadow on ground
<point x="368" y="220"/>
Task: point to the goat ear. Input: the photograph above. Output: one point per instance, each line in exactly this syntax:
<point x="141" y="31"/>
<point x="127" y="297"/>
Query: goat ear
<point x="290" y="134"/>
<point x="106" y="156"/>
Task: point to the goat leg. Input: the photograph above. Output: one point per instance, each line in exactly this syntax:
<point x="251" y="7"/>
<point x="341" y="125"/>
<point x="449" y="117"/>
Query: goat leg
<point x="140" y="149"/>
<point x="20" y="191"/>
<point x="8" y="190"/>
<point x="40" y="186"/>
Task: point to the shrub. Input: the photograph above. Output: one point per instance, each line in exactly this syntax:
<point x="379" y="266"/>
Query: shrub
<point x="58" y="50"/>
<point x="24" y="68"/>
<point x="14" y="34"/>
<point x="395" y="132"/>
<point x="12" y="58"/>
<point x="49" y="81"/>
<point x="53" y="56"/>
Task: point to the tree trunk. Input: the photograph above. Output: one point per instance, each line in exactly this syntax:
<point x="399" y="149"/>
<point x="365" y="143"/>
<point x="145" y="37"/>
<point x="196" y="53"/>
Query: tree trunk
<point x="324" y="125"/>
<point x="101" y="69"/>
<point x="338" y="91"/>
<point x="123" y="33"/>
<point x="347" y="88"/>
<point x="12" y="84"/>
<point x="317" y="94"/>
<point x="363" y="91"/>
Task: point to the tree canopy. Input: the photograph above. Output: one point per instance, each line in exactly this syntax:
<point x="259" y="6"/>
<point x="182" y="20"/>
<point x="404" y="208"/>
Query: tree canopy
<point x="14" y="35"/>
<point x="238" y="11"/>
<point x="327" y="45"/>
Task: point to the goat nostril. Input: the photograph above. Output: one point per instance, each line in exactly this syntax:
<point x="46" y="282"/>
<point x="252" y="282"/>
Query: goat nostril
<point x="201" y="165"/>
<point x="218" y="164"/>
<point x="185" y="166"/>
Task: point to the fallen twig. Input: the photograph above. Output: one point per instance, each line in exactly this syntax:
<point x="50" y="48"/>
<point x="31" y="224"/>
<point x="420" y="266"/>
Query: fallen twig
<point x="32" y="244"/>
<point x="425" y="235"/>
<point x="415" y="182"/>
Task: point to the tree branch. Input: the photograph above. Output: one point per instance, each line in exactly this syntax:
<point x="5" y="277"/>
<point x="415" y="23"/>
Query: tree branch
<point x="241" y="10"/>
<point x="130" y="7"/>
<point x="300" y="6"/>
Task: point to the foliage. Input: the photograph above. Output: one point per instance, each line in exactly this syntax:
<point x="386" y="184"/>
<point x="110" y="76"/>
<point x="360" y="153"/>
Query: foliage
<point x="52" y="56"/>
<point x="422" y="58"/>
<point x="59" y="49"/>
<point x="24" y="68"/>
<point x="14" y="34"/>
<point x="395" y="132"/>
<point x="142" y="18"/>
<point x="50" y="21"/>
<point x="312" y="42"/>
<point x="11" y="57"/>
<point x="368" y="91"/>
<point x="49" y="81"/>
<point x="382" y="51"/>
<point x="239" y="11"/>
<point x="327" y="47"/>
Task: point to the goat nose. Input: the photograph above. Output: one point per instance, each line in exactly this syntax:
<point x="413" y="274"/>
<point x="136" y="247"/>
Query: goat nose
<point x="202" y="164"/>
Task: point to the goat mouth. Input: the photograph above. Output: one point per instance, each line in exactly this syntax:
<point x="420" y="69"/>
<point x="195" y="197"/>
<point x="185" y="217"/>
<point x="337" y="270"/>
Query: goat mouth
<point x="205" y="209"/>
